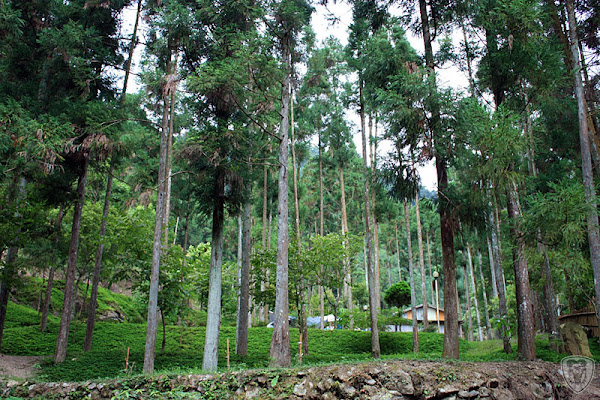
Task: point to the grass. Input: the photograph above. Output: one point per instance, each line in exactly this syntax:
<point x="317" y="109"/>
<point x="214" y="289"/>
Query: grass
<point x="185" y="344"/>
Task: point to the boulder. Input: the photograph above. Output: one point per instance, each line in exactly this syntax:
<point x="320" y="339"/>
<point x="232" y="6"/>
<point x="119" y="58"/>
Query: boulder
<point x="575" y="339"/>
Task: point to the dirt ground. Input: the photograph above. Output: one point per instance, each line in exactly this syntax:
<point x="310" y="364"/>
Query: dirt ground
<point x="21" y="367"/>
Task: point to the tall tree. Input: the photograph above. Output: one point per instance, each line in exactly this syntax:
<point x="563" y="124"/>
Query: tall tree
<point x="586" y="159"/>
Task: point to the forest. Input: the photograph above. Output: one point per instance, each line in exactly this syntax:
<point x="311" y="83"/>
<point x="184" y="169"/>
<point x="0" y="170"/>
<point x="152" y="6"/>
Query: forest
<point x="219" y="165"/>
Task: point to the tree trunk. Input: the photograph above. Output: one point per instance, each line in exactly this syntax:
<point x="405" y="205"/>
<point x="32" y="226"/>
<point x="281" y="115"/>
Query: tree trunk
<point x="302" y="322"/>
<point x="586" y="160"/>
<point x="241" y="346"/>
<point x="371" y="272"/>
<point x="498" y="273"/>
<point x="413" y="296"/>
<point x="263" y="312"/>
<point x="526" y="332"/>
<point x="398" y="253"/>
<point x="65" y="319"/>
<point x="215" y="285"/>
<point x="322" y="232"/>
<point x="347" y="264"/>
<point x="164" y="332"/>
<point x="50" y="283"/>
<point x="280" y="342"/>
<point x="152" y="321"/>
<point x="474" y="288"/>
<point x="451" y="349"/>
<point x="468" y="305"/>
<point x="89" y="331"/>
<point x="488" y="325"/>
<point x="131" y="51"/>
<point x="422" y="264"/>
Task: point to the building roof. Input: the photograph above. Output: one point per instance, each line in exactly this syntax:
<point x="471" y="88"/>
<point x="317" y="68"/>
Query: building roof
<point x="421" y="306"/>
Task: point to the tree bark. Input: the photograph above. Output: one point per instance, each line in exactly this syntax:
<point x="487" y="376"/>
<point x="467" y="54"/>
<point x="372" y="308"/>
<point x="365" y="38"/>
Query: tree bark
<point x="586" y="159"/>
<point x="474" y="289"/>
<point x="468" y="305"/>
<point x="302" y="322"/>
<point x="525" y="331"/>
<point x="89" y="331"/>
<point x="451" y="349"/>
<point x="371" y="272"/>
<point x="50" y="283"/>
<point x="322" y="232"/>
<point x="488" y="325"/>
<point x="348" y="266"/>
<point x="413" y="296"/>
<point x="242" y="328"/>
<point x="65" y="319"/>
<point x="280" y="342"/>
<point x="422" y="264"/>
<point x="152" y="321"/>
<point x="215" y="283"/>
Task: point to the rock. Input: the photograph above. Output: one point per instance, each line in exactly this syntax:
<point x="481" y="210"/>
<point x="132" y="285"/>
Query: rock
<point x="371" y="382"/>
<point x="252" y="393"/>
<point x="262" y="380"/>
<point x="463" y="394"/>
<point x="110" y="315"/>
<point x="575" y="339"/>
<point x="301" y="374"/>
<point x="324" y="386"/>
<point x="484" y="392"/>
<point x="347" y="391"/>
<point x="383" y="396"/>
<point x="503" y="394"/>
<point x="300" y="389"/>
<point x="446" y="391"/>
<point x="92" y="386"/>
<point x="405" y="384"/>
<point x="328" y="396"/>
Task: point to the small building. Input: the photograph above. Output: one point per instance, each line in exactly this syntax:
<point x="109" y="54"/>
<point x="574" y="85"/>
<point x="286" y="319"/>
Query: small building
<point x="432" y="317"/>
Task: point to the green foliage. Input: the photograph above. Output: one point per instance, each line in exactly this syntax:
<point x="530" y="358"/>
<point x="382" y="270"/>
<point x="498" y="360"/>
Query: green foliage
<point x="398" y="295"/>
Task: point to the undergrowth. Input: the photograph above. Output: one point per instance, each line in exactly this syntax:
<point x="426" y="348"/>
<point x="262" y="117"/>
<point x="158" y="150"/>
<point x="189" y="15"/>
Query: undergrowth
<point x="184" y="346"/>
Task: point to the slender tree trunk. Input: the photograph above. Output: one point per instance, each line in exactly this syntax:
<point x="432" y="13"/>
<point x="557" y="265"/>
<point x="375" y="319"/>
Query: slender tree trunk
<point x="451" y="349"/>
<point x="468" y="305"/>
<point x="50" y="283"/>
<point x="69" y="297"/>
<point x="131" y="50"/>
<point x="526" y="332"/>
<point x="371" y="272"/>
<point x="302" y="322"/>
<point x="375" y="224"/>
<point x="242" y="328"/>
<point x="488" y="325"/>
<point x="89" y="331"/>
<point x="429" y="264"/>
<point x="164" y="330"/>
<point x="215" y="283"/>
<point x="499" y="274"/>
<point x="422" y="264"/>
<point x="398" y="253"/>
<point x="347" y="264"/>
<point x="413" y="296"/>
<point x="474" y="288"/>
<point x="263" y="312"/>
<point x="322" y="232"/>
<point x="152" y="321"/>
<point x="492" y="268"/>
<point x="280" y="342"/>
<point x="586" y="160"/>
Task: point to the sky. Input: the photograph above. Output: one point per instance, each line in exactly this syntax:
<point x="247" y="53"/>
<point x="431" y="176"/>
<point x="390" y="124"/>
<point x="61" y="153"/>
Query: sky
<point x="449" y="76"/>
